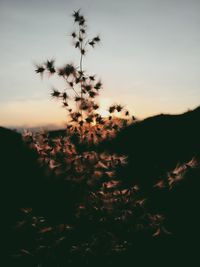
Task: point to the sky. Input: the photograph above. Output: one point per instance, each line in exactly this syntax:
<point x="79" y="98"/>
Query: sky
<point x="148" y="59"/>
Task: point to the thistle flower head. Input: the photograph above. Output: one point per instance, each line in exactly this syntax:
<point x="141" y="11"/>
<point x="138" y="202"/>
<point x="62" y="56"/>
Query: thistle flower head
<point x="98" y="85"/>
<point x="119" y="108"/>
<point x="76" y="15"/>
<point x="112" y="109"/>
<point x="96" y="39"/>
<point x="69" y="69"/>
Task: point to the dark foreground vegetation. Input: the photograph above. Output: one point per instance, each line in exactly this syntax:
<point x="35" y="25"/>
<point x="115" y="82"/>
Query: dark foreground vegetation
<point x="58" y="222"/>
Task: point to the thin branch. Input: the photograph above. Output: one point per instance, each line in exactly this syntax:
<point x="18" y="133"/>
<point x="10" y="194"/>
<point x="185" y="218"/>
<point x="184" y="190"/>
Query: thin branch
<point x="72" y="87"/>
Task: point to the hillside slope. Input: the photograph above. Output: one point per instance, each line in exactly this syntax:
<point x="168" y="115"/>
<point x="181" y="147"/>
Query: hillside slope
<point x="154" y="147"/>
<point x="156" y="144"/>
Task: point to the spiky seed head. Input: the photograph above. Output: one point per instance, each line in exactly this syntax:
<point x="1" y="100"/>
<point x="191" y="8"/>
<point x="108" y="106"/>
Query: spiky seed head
<point x="83" y="51"/>
<point x="81" y="21"/>
<point x="40" y="69"/>
<point x="77" y="98"/>
<point x="73" y="34"/>
<point x="95" y="106"/>
<point x="119" y="108"/>
<point x="88" y="87"/>
<point x="52" y="70"/>
<point x="92" y="94"/>
<point x="98" y="85"/>
<point x="76" y="15"/>
<point x="55" y="93"/>
<point x="92" y="43"/>
<point x="89" y="119"/>
<point x="92" y="78"/>
<point x="112" y="109"/>
<point x="69" y="69"/>
<point x="82" y="30"/>
<point x="65" y="104"/>
<point x="50" y="63"/>
<point x="77" y="44"/>
<point x="65" y="96"/>
<point x="96" y="39"/>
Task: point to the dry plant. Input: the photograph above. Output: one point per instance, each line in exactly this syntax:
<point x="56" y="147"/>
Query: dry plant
<point x="107" y="214"/>
<point x="79" y="96"/>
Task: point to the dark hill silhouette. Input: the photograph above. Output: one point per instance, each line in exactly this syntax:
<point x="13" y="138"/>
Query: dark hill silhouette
<point x="156" y="144"/>
<point x="154" y="147"/>
<point x="19" y="168"/>
<point x="24" y="182"/>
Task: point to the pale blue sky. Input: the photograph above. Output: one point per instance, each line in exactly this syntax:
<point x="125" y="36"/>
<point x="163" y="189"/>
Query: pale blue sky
<point x="149" y="58"/>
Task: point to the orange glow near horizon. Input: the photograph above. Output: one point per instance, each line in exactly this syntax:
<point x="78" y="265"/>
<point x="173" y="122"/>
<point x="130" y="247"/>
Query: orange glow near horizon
<point x="49" y="113"/>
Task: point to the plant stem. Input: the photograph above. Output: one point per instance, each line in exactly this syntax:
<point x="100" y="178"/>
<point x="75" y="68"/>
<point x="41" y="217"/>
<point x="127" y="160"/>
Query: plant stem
<point x="81" y="70"/>
<point x="72" y="87"/>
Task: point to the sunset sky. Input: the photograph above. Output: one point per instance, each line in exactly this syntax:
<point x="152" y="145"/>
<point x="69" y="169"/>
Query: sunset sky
<point x="148" y="59"/>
